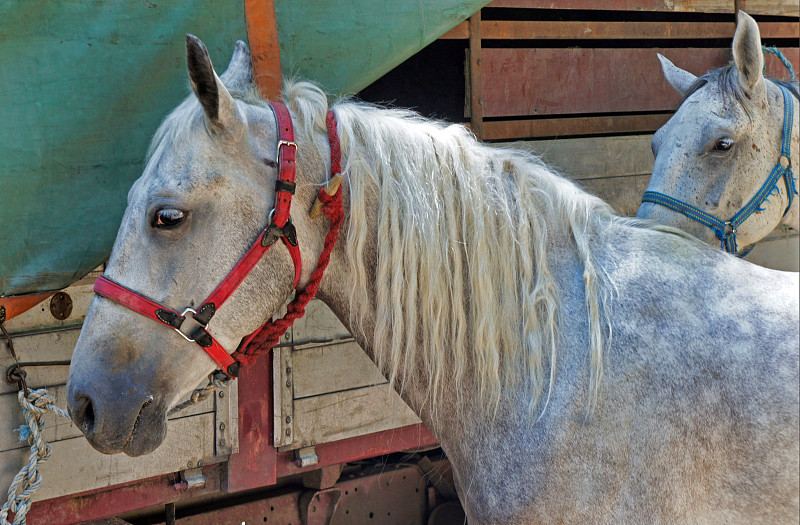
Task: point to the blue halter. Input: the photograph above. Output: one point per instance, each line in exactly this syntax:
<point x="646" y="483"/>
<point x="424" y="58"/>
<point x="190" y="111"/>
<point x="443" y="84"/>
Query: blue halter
<point x="726" y="230"/>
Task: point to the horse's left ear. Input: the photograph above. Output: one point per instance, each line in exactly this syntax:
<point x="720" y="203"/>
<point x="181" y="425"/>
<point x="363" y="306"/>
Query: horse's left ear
<point x="239" y="75"/>
<point x="678" y="78"/>
<point x="218" y="104"/>
<point x="747" y="54"/>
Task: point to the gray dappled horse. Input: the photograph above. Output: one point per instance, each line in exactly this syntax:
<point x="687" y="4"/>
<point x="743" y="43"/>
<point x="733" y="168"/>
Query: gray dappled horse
<point x="576" y="366"/>
<point x="719" y="149"/>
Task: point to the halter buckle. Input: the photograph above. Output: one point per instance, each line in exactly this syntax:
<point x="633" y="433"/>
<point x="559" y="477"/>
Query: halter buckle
<point x="287" y="143"/>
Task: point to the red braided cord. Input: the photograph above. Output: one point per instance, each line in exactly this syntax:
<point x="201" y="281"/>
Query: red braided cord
<point x="269" y="334"/>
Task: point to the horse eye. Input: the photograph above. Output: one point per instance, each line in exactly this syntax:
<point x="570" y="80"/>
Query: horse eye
<point x="724" y="144"/>
<point x="168" y="218"/>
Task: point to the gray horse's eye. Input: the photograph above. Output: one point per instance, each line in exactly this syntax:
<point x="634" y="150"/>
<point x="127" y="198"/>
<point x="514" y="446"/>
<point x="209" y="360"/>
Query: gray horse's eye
<point x="723" y="144"/>
<point x="168" y="218"/>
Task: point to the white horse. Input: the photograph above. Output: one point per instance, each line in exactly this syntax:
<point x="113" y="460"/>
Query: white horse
<point x="723" y="142"/>
<point x="576" y="366"/>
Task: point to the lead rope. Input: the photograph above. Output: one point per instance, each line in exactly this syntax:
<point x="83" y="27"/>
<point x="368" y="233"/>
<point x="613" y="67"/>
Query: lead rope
<point x="269" y="335"/>
<point x="777" y="52"/>
<point x="35" y="404"/>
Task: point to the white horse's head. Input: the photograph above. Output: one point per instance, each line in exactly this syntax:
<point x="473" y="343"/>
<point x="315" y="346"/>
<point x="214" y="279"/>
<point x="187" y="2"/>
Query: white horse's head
<point x="206" y="191"/>
<point x="719" y="148"/>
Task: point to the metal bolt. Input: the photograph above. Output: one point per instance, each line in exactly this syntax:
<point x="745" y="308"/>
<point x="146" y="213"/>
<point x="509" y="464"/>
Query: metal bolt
<point x="200" y="463"/>
<point x="288" y="432"/>
<point x="288" y="369"/>
<point x="189" y="464"/>
<point x="222" y="426"/>
<point x="286" y="336"/>
<point x="222" y="442"/>
<point x="288" y="419"/>
<point x="288" y="384"/>
<point x="222" y="394"/>
<point x="305" y="443"/>
<point x="313" y="442"/>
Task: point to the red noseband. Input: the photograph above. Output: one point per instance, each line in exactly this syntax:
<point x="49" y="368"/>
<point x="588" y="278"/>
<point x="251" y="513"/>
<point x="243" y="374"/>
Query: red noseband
<point x="280" y="227"/>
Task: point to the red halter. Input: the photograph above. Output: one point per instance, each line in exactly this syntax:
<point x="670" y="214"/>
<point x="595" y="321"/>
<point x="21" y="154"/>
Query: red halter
<point x="279" y="227"/>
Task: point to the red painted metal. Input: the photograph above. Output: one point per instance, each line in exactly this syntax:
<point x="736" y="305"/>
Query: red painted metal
<point x="361" y="447"/>
<point x="701" y="6"/>
<point x="255" y="464"/>
<point x="535" y="81"/>
<point x="119" y="499"/>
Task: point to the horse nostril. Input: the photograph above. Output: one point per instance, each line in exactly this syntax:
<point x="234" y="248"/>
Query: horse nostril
<point x="83" y="414"/>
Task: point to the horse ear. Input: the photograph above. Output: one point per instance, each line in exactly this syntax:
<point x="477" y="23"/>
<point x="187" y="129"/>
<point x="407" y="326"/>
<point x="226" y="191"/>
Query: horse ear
<point x="239" y="75"/>
<point x="680" y="79"/>
<point x="747" y="54"/>
<point x="218" y="104"/>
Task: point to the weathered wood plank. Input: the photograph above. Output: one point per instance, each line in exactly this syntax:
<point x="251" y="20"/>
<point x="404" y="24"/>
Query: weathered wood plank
<point x="772" y="7"/>
<point x="593" y="157"/>
<point x="188" y="439"/>
<point x="332" y="368"/>
<point x="58" y="428"/>
<point x="778" y="251"/>
<point x="341" y="415"/>
<point x="534" y="81"/>
<point x="318" y="324"/>
<point x="696" y="6"/>
<point x="567" y="126"/>
<point x="579" y="30"/>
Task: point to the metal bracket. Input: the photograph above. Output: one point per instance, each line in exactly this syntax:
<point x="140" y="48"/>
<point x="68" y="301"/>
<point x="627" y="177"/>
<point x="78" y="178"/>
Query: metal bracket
<point x="191" y="479"/>
<point x="306" y="457"/>
<point x="283" y="396"/>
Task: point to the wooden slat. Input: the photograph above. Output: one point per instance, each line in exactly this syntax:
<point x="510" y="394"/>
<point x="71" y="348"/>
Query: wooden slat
<point x="318" y="324"/>
<point x="476" y="76"/>
<point x="772" y="7"/>
<point x="461" y="31"/>
<point x="521" y="82"/>
<point x="74" y="466"/>
<point x="593" y="157"/>
<point x="341" y="415"/>
<point x="559" y="30"/>
<point x="697" y="6"/>
<point x="778" y="251"/>
<point x="325" y="369"/>
<point x="565" y="127"/>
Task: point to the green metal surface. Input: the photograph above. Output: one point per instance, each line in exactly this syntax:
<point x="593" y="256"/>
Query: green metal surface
<point x="83" y="86"/>
<point x="85" y="83"/>
<point x="346" y="45"/>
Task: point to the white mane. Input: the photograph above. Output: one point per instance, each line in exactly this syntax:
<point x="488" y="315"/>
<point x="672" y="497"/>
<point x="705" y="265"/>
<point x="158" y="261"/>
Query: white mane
<point x="462" y="277"/>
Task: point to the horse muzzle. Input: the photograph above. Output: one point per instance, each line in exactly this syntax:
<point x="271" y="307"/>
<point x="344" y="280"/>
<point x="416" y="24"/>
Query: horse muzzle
<point x="117" y="419"/>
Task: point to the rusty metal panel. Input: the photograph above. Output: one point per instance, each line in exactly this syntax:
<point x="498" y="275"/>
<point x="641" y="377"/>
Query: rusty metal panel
<point x="520" y="82"/>
<point x="573" y="30"/>
<point x="565" y="127"/>
<point x="696" y="6"/>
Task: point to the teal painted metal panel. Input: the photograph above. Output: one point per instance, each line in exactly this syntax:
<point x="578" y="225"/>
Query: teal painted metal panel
<point x="83" y="86"/>
<point x="85" y="83"/>
<point x="345" y="45"/>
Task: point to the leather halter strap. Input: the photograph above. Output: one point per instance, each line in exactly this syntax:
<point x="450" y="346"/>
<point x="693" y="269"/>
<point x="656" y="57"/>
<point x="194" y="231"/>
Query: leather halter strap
<point x="279" y="227"/>
<point x="726" y="230"/>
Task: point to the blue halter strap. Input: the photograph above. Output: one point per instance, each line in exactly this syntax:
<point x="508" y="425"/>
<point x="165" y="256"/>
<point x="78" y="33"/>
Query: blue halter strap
<point x="726" y="230"/>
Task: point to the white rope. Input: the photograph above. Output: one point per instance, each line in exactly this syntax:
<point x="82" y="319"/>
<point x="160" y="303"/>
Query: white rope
<point x="34" y="407"/>
<point x="25" y="483"/>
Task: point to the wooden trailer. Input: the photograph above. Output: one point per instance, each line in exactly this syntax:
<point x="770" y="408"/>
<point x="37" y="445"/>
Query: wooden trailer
<point x="313" y="433"/>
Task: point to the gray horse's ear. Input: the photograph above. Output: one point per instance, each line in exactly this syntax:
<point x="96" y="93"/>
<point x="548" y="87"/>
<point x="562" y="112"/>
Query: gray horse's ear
<point x="217" y="102"/>
<point x="747" y="54"/>
<point x="239" y="75"/>
<point x="680" y="79"/>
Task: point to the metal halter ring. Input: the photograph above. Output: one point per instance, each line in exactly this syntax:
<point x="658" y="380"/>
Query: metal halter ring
<point x="183" y="315"/>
